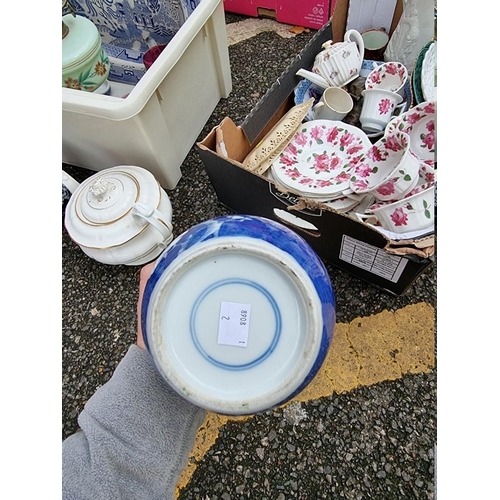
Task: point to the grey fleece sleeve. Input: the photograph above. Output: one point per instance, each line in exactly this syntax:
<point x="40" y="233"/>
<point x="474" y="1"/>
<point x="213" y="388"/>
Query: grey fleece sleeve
<point x="135" y="438"/>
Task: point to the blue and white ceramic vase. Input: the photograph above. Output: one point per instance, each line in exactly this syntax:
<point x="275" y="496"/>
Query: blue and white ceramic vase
<point x="238" y="314"/>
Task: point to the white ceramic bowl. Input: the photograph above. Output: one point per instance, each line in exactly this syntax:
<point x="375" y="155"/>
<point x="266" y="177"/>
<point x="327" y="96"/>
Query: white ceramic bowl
<point x="390" y="76"/>
<point x="238" y="314"/>
<point x="413" y="213"/>
<point x="387" y="170"/>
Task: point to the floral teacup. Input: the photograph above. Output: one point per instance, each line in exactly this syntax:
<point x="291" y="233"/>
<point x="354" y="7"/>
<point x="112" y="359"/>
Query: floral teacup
<point x="388" y="76"/>
<point x="413" y="213"/>
<point x="378" y="108"/>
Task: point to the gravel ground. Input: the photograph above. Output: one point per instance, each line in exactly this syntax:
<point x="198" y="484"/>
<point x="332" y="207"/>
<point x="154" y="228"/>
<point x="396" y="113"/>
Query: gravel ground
<point x="373" y="442"/>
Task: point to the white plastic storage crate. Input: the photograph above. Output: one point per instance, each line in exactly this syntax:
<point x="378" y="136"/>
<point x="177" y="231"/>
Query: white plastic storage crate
<point x="158" y="122"/>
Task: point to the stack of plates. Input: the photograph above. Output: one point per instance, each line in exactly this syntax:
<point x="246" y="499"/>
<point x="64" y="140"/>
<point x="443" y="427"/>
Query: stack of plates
<point x="318" y="161"/>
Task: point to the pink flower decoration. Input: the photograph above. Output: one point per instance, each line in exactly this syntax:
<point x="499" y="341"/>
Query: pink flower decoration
<point x="292" y="172"/>
<point x="399" y="217"/>
<point x="428" y="140"/>
<point x="354" y="161"/>
<point x="376" y="77"/>
<point x="285" y="160"/>
<point x="291" y="149"/>
<point x="429" y="177"/>
<point x="414" y="118"/>
<point x="374" y="154"/>
<point x="306" y="180"/>
<point x="300" y="138"/>
<point x="385" y="106"/>
<point x="387" y="189"/>
<point x="360" y="184"/>
<point x="316" y="133"/>
<point x="324" y="183"/>
<point x="392" y="69"/>
<point x="321" y="162"/>
<point x="335" y="162"/>
<point x="430" y="108"/>
<point x="363" y="170"/>
<point x="346" y="139"/>
<point x="332" y="135"/>
<point x="342" y="177"/>
<point x="393" y="143"/>
<point x="354" y="149"/>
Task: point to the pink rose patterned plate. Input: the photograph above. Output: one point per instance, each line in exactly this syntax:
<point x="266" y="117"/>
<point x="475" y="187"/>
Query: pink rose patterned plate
<point x="419" y="123"/>
<point x="320" y="157"/>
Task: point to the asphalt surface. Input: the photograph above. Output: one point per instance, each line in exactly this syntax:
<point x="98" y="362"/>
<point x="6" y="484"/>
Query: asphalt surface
<point x="375" y="441"/>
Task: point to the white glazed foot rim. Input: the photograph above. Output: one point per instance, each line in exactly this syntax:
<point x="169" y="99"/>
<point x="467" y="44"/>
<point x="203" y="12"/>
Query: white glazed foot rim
<point x="278" y="284"/>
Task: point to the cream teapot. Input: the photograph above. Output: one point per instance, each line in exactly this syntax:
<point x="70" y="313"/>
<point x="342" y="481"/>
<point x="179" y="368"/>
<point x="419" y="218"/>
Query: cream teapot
<point x="120" y="215"/>
<point x="340" y="63"/>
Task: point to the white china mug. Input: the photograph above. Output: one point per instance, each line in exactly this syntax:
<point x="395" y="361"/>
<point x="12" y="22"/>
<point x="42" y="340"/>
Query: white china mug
<point x="335" y="104"/>
<point x="378" y="108"/>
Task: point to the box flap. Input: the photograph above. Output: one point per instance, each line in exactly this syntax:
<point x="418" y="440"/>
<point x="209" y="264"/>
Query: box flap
<point x="228" y="141"/>
<point x="279" y="92"/>
<point x="341" y="11"/>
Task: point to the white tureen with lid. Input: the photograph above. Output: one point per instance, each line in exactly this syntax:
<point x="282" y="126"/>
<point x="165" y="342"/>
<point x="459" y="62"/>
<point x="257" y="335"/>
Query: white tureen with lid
<point x="120" y="215"/>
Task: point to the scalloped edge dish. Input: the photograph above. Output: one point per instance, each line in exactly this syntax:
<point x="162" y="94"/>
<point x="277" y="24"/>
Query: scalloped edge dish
<point x="428" y="75"/>
<point x="319" y="158"/>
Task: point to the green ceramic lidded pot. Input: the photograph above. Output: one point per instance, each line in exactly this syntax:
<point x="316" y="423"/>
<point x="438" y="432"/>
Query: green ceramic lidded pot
<point x="85" y="64"/>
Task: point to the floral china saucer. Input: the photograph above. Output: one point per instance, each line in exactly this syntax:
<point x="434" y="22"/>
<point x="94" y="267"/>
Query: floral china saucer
<point x="320" y="157"/>
<point x="419" y="123"/>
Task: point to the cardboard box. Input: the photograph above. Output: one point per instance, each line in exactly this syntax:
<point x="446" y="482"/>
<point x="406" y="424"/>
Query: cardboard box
<point x="340" y="240"/>
<point x="307" y="13"/>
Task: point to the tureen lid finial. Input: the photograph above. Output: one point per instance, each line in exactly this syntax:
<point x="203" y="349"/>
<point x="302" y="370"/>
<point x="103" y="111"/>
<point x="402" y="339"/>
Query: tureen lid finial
<point x="99" y="186"/>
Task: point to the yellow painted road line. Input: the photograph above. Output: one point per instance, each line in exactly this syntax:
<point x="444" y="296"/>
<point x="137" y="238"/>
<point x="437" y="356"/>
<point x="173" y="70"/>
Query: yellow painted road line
<point x="365" y="351"/>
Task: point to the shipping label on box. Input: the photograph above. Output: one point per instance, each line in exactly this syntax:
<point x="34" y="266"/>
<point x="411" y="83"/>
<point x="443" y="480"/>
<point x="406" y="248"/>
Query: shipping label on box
<point x="372" y="259"/>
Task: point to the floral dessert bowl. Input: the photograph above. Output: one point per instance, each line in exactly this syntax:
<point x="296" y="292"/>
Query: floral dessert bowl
<point x="419" y="123"/>
<point x="387" y="170"/>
